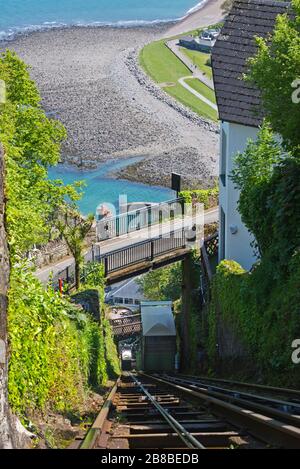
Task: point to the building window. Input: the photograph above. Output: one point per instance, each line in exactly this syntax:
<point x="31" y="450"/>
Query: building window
<point x="222" y="234"/>
<point x="118" y="300"/>
<point x="137" y="302"/>
<point x="223" y="162"/>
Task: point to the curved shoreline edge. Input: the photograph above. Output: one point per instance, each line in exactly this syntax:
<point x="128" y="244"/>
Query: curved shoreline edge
<point x="13" y="33"/>
<point x="112" y="109"/>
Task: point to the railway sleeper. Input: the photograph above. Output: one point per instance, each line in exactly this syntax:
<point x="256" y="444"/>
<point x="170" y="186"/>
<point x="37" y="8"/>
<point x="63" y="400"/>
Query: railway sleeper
<point x="164" y="427"/>
<point x="172" y="440"/>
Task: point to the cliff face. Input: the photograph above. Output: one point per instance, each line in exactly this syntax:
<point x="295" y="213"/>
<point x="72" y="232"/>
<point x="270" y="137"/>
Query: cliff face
<point x="5" y="424"/>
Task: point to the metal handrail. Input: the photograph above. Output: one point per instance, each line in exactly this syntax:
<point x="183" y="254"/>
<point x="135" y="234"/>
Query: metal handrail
<point x="111" y="227"/>
<point x="150" y="243"/>
<point x="138" y="210"/>
<point x="142" y="243"/>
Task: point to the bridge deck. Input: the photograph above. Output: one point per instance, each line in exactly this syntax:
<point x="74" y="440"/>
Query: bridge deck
<point x="127" y="257"/>
<point x="145" y="266"/>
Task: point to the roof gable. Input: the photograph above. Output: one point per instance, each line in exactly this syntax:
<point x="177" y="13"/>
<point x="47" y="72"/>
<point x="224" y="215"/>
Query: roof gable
<point x="157" y="318"/>
<point x="238" y="101"/>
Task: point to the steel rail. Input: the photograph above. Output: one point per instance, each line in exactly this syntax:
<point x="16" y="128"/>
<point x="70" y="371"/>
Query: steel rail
<point x="261" y="387"/>
<point x="97" y="427"/>
<point x="268" y="429"/>
<point x="244" y="403"/>
<point x="186" y="437"/>
<point x="236" y="394"/>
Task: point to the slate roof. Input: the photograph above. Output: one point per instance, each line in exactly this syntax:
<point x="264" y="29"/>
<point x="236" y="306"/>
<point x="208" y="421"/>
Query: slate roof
<point x="238" y="101"/>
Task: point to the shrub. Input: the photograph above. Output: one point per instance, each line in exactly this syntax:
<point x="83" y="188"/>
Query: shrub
<point x="57" y="351"/>
<point x="208" y="197"/>
<point x="264" y="319"/>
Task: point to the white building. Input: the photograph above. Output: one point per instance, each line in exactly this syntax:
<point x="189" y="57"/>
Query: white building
<point x="239" y="111"/>
<point x="125" y="294"/>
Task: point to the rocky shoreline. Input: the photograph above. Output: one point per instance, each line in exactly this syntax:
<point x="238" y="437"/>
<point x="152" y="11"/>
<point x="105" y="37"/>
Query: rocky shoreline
<point x="90" y="79"/>
<point x="183" y="160"/>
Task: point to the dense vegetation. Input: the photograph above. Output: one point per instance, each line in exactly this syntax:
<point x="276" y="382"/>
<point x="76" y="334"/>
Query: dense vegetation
<point x="57" y="351"/>
<point x="263" y="314"/>
<point x="163" y="284"/>
<point x="262" y="307"/>
<point x="208" y="197"/>
<point x="275" y="71"/>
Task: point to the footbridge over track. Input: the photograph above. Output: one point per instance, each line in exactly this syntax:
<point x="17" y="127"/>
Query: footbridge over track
<point x="126" y="326"/>
<point x="134" y="253"/>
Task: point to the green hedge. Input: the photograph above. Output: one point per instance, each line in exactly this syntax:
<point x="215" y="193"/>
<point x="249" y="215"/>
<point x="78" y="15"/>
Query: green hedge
<point x="57" y="352"/>
<point x="263" y="312"/>
<point x="208" y="197"/>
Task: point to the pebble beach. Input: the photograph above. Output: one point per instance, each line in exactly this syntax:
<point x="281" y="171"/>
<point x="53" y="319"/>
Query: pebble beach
<point x="90" y="79"/>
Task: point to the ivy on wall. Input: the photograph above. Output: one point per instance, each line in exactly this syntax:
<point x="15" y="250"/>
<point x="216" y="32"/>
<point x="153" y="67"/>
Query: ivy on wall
<point x="262" y="307"/>
<point x="57" y="352"/>
<point x="264" y="316"/>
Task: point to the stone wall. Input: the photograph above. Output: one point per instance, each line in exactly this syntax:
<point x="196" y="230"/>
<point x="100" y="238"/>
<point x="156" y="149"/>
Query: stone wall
<point x="56" y="250"/>
<point x="89" y="300"/>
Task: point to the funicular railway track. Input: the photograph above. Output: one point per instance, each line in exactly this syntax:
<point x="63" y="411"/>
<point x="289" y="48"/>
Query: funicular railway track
<point x="150" y="412"/>
<point x="283" y="399"/>
<point x="280" y="392"/>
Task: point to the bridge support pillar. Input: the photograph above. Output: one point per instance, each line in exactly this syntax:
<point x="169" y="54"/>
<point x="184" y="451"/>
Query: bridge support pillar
<point x="186" y="308"/>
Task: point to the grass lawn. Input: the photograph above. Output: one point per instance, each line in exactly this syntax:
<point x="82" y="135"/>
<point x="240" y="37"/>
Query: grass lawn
<point x="201" y="88"/>
<point x="199" y="59"/>
<point x="161" y="64"/>
<point x="191" y="101"/>
<point x="164" y="67"/>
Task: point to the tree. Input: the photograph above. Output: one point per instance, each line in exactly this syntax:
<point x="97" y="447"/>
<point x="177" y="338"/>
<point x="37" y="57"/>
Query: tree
<point x="32" y="144"/>
<point x="162" y="284"/>
<point x="74" y="228"/>
<point x="275" y="71"/>
<point x="269" y="203"/>
<point x="252" y="172"/>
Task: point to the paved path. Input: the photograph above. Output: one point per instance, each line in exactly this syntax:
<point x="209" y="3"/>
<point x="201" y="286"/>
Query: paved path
<point x="196" y="93"/>
<point x="127" y="240"/>
<point x="197" y="73"/>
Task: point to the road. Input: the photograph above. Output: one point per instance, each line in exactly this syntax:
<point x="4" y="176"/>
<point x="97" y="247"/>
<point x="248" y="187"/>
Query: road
<point x="110" y="245"/>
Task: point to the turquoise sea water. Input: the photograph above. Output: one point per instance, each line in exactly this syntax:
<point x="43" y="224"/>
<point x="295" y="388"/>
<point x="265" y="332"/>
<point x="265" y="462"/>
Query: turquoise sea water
<point x="101" y="189"/>
<point x="24" y="15"/>
<point x="17" y="16"/>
